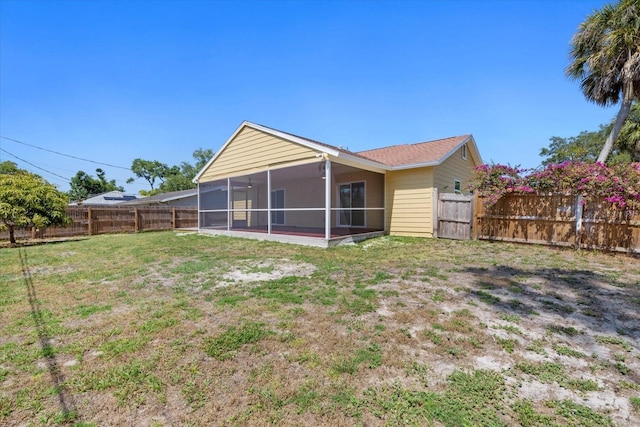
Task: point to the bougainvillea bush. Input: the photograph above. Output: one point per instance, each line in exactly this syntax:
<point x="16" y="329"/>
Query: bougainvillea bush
<point x="617" y="184"/>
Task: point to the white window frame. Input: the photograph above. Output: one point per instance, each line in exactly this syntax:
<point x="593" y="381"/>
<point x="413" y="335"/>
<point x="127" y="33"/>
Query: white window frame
<point x="464" y="152"/>
<point x="457" y="186"/>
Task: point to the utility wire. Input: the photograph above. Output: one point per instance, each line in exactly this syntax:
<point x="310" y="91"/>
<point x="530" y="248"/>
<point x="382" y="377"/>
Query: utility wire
<point x="62" y="154"/>
<point x="37" y="167"/>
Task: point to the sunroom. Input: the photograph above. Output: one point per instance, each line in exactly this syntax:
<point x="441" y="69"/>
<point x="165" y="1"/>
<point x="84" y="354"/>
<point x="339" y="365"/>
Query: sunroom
<point x="271" y="185"/>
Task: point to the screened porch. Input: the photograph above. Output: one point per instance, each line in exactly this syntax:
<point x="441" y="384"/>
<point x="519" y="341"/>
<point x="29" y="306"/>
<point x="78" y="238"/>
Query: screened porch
<point x="325" y="201"/>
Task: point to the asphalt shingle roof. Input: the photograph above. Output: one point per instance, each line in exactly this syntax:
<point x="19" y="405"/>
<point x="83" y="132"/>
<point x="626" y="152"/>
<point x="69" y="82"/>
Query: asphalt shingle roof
<point x="399" y="155"/>
<point x="409" y="154"/>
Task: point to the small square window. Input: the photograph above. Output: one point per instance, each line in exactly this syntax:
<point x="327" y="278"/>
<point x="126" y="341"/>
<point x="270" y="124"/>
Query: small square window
<point x="464" y="152"/>
<point x="457" y="186"/>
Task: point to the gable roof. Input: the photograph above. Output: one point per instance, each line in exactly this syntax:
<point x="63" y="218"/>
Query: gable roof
<point x="404" y="156"/>
<point x="428" y="153"/>
<point x="164" y="197"/>
<point x="108" y="198"/>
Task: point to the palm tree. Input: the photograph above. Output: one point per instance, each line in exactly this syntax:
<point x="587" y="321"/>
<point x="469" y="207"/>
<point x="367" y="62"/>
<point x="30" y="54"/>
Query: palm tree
<point x="605" y="56"/>
<point x="629" y="137"/>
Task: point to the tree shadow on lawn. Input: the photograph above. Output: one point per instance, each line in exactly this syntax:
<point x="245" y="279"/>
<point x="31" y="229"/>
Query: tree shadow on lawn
<point x="67" y="406"/>
<point x="595" y="302"/>
<point x="5" y="244"/>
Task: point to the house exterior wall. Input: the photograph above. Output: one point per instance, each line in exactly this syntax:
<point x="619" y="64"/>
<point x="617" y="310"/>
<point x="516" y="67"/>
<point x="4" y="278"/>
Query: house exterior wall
<point x="455" y="167"/>
<point x="306" y="193"/>
<point x="309" y="193"/>
<point x="409" y="202"/>
<point x="252" y="150"/>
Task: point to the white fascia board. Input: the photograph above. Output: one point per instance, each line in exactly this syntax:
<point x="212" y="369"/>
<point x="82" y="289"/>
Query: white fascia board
<point x="414" y="166"/>
<point x="215" y="156"/>
<point x="476" y="151"/>
<point x="292" y="138"/>
<point x="286" y="136"/>
<point x="333" y="152"/>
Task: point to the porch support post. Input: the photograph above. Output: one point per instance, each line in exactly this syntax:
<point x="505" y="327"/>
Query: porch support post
<point x="327" y="199"/>
<point x="269" y="201"/>
<point x="229" y="197"/>
<point x="199" y="213"/>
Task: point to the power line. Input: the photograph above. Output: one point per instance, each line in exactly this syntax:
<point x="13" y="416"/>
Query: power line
<point x="37" y="167"/>
<point x="62" y="154"/>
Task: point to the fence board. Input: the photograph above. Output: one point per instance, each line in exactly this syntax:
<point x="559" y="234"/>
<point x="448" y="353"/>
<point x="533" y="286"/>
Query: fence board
<point x="89" y="220"/>
<point x="559" y="220"/>
<point x="455" y="216"/>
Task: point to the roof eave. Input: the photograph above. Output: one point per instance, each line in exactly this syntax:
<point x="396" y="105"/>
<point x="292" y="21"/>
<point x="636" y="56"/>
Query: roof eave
<point x="293" y="138"/>
<point x="366" y="163"/>
<point x="182" y="196"/>
<point x="415" y="165"/>
<point x="333" y="152"/>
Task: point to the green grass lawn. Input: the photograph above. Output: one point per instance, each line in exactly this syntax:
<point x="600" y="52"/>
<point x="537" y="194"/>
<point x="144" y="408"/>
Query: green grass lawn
<point x="164" y="328"/>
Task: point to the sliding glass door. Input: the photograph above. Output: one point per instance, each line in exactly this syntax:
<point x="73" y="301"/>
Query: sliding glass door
<point x="352" y="203"/>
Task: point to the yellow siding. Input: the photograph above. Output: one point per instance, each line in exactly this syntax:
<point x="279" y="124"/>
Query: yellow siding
<point x="455" y="167"/>
<point x="252" y="150"/>
<point x="409" y="202"/>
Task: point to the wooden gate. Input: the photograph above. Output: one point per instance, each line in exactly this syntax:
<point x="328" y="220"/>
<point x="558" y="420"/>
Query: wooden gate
<point x="455" y="216"/>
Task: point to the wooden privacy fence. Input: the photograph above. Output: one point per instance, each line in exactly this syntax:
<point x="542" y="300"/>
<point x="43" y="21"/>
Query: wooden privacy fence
<point x="558" y="220"/>
<point x="90" y="220"/>
<point x="455" y="216"/>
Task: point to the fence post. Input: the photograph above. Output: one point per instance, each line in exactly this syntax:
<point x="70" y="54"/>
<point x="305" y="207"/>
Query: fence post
<point x="436" y="212"/>
<point x="476" y="212"/>
<point x="173" y="218"/>
<point x="579" y="212"/>
<point x="136" y="223"/>
<point x="89" y="222"/>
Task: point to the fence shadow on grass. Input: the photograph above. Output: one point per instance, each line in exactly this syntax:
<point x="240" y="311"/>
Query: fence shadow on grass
<point x="67" y="406"/>
<point x="584" y="298"/>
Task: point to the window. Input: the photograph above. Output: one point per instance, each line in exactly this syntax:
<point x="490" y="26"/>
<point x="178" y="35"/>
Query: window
<point x="457" y="186"/>
<point x="464" y="152"/>
<point x="277" y="202"/>
<point x="351" y="196"/>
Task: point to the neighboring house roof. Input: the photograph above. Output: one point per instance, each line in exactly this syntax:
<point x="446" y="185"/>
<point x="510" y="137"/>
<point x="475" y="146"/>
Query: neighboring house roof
<point x="427" y="153"/>
<point x="108" y="198"/>
<point x="405" y="156"/>
<point x="164" y="197"/>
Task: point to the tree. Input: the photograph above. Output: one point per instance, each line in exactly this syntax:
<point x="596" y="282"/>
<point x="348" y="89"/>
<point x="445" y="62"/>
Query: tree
<point x="629" y="137"/>
<point x="26" y="200"/>
<point x="202" y="157"/>
<point x="151" y="170"/>
<point x="8" y="167"/>
<point x="84" y="185"/>
<point x="605" y="56"/>
<point x="586" y="146"/>
<point x="184" y="179"/>
<point x="581" y="148"/>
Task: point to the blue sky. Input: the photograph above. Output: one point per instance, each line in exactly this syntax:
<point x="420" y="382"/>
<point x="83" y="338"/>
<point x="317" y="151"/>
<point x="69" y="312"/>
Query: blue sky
<point x="111" y="81"/>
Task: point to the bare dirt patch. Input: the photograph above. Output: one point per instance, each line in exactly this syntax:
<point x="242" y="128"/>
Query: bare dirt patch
<point x="196" y="331"/>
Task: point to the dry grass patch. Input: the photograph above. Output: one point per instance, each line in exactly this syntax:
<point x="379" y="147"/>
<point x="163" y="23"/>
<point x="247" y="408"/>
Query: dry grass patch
<point x="167" y="329"/>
